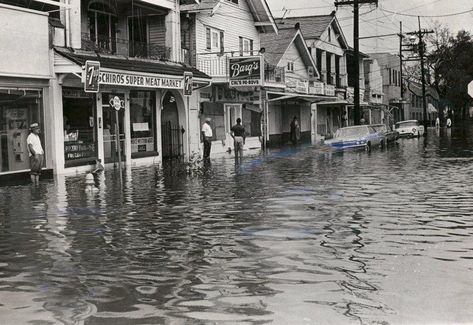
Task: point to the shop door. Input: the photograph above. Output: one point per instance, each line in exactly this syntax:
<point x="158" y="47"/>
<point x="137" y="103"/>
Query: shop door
<point x="171" y="131"/>
<point x="109" y="130"/>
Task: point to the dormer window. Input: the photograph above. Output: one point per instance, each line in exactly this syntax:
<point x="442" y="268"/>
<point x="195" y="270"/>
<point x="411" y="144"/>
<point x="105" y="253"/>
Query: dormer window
<point x="329" y="34"/>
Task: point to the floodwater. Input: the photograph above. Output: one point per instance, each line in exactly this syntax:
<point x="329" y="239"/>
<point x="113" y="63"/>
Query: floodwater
<point x="299" y="236"/>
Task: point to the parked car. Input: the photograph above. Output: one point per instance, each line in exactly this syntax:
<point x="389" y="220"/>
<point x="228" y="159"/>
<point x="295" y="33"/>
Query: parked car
<point x="410" y="128"/>
<point x="389" y="135"/>
<point x="355" y="137"/>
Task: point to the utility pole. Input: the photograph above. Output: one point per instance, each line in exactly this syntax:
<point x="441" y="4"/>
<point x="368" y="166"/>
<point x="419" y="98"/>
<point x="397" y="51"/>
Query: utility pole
<point x="400" y="57"/>
<point x="421" y="49"/>
<point x="356" y="46"/>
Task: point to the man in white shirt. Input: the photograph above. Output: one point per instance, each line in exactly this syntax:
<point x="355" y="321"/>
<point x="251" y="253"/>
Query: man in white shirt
<point x="36" y="153"/>
<point x="207" y="135"/>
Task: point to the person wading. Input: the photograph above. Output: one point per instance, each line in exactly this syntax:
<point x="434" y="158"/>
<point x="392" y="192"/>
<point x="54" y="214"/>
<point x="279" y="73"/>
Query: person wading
<point x="36" y="153"/>
<point x="238" y="135"/>
<point x="207" y="135"/>
<point x="295" y="131"/>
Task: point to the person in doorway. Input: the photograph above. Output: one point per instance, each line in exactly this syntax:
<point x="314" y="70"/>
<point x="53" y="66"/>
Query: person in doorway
<point x="295" y="131"/>
<point x="36" y="152"/>
<point x="239" y="137"/>
<point x="449" y="123"/>
<point x="207" y="135"/>
<point x="437" y="122"/>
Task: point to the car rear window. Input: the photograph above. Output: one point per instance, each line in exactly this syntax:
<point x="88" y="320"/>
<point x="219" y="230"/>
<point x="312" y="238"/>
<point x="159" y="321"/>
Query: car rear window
<point x="405" y="124"/>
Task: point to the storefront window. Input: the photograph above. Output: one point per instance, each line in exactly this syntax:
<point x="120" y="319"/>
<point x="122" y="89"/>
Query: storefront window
<point x="18" y="109"/>
<point x="80" y="135"/>
<point x="142" y="119"/>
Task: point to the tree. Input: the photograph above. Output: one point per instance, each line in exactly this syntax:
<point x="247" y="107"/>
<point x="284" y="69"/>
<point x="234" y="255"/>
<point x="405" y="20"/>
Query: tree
<point x="451" y="65"/>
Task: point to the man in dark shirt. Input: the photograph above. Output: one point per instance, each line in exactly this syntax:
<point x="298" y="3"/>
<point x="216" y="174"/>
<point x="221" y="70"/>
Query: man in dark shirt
<point x="239" y="136"/>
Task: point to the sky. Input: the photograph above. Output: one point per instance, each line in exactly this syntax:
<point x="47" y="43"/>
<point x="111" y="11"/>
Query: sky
<point x="385" y="18"/>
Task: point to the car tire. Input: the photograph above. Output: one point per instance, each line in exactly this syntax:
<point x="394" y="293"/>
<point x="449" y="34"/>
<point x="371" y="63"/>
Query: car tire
<point x="368" y="147"/>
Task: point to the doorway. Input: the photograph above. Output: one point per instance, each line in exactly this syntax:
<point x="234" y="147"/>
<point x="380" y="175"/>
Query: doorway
<point x="110" y="147"/>
<point x="172" y="133"/>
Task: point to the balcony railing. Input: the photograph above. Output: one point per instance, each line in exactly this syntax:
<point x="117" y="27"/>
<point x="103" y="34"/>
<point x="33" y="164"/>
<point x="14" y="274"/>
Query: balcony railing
<point x="112" y="45"/>
<point x="215" y="66"/>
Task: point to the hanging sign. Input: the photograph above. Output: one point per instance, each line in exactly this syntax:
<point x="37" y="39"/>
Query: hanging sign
<point x="245" y="71"/>
<point x="117" y="103"/>
<point x="92" y="73"/>
<point x="188" y="83"/>
<point x="138" y="80"/>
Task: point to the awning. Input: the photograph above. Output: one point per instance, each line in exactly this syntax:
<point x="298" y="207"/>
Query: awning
<point x="66" y="61"/>
<point x="431" y="108"/>
<point x="310" y="98"/>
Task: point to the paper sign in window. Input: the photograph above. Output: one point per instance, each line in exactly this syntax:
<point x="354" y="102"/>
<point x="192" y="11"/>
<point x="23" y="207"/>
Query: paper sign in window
<point x="138" y="127"/>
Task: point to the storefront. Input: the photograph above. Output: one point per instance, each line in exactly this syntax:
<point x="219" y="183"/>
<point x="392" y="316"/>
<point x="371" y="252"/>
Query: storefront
<point x="152" y="121"/>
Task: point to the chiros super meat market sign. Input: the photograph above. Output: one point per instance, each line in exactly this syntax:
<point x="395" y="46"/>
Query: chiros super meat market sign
<point x="245" y="71"/>
<point x="135" y="80"/>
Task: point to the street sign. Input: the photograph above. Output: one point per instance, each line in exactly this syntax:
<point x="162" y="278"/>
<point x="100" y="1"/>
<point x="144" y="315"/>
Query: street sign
<point x="470" y="89"/>
<point x="188" y="83"/>
<point x="92" y="72"/>
<point x="117" y="103"/>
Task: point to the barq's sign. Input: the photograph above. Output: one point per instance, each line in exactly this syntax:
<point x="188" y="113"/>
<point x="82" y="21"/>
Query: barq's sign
<point x="245" y="71"/>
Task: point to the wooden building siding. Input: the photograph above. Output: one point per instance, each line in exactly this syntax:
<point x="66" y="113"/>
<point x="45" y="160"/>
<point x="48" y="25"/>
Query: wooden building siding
<point x="234" y="22"/>
<point x="300" y="69"/>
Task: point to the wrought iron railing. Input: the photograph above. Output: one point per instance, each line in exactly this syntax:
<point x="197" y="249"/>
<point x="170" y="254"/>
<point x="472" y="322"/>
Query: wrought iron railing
<point x="113" y="45"/>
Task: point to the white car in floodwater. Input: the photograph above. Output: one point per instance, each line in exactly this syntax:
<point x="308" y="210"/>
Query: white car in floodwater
<point x="409" y="128"/>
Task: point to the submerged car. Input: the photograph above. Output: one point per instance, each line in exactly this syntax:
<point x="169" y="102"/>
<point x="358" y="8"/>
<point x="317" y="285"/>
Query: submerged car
<point x="389" y="136"/>
<point x="355" y="137"/>
<point x="410" y="128"/>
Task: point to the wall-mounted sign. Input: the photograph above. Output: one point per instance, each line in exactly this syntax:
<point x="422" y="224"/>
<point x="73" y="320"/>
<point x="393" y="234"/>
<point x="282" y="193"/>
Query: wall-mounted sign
<point x="117" y="103"/>
<point x="245" y="71"/>
<point x="329" y="90"/>
<point x="136" y="80"/>
<point x="188" y="83"/>
<point x="318" y="88"/>
<point x="92" y="72"/>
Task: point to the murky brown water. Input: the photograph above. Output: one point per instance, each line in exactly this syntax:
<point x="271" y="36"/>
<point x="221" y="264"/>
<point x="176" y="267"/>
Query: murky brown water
<point x="297" y="237"/>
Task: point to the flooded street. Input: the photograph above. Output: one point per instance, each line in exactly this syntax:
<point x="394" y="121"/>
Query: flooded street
<point x="299" y="236"/>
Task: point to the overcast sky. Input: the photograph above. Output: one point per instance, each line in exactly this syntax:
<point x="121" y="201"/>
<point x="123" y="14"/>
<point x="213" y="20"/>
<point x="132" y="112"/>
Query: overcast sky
<point x="378" y="21"/>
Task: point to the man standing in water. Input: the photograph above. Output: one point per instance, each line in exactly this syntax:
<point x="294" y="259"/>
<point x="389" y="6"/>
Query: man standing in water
<point x="36" y="153"/>
<point x="207" y="138"/>
<point x="238" y="135"/>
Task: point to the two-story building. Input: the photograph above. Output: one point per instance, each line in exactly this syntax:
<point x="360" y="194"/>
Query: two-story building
<point x="213" y="33"/>
<point x="328" y="46"/>
<point x="414" y="109"/>
<point x="375" y="112"/>
<point x="25" y="74"/>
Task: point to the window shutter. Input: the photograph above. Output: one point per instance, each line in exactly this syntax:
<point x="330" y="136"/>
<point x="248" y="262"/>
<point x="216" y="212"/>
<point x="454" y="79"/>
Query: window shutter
<point x="209" y="40"/>
<point x="251" y="47"/>
<point x="241" y="45"/>
<point x="222" y="47"/>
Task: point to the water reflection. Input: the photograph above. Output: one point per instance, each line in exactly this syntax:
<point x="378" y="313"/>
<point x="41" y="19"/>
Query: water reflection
<point x="298" y="236"/>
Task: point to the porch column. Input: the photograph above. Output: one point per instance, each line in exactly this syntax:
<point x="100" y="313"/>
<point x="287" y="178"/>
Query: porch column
<point x="159" y="108"/>
<point x="54" y="119"/>
<point x="313" y="122"/>
<point x="99" y="123"/>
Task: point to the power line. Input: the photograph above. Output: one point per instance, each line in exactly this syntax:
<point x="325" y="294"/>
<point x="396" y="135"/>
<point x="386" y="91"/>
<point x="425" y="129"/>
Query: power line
<point x="428" y="16"/>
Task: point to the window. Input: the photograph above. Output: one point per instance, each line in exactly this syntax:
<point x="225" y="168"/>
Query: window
<point x="251" y="120"/>
<point x="80" y="136"/>
<point x="329" y="34"/>
<point x="246" y="46"/>
<point x="18" y="109"/>
<point x="389" y="71"/>
<point x="143" y="134"/>
<point x="214" y="40"/>
<point x="290" y="66"/>
<point x="102" y="27"/>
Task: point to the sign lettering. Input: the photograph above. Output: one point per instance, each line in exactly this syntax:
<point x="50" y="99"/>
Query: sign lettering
<point x="245" y="71"/>
<point x="125" y="79"/>
<point x="92" y="72"/>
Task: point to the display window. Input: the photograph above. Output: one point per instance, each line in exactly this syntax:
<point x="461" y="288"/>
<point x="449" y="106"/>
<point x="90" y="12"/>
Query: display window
<point x="80" y="135"/>
<point x="252" y="120"/>
<point x="143" y="125"/>
<point x="18" y="109"/>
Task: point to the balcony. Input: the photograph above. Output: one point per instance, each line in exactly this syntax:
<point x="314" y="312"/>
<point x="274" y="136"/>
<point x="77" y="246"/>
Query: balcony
<point x="112" y="45"/>
<point x="274" y="74"/>
<point x="215" y="66"/>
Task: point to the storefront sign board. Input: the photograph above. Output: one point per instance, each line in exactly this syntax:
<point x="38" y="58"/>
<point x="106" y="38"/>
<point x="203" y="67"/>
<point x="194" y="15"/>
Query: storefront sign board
<point x="317" y="89"/>
<point x="329" y="90"/>
<point x="136" y="80"/>
<point x="188" y="83"/>
<point x="245" y="71"/>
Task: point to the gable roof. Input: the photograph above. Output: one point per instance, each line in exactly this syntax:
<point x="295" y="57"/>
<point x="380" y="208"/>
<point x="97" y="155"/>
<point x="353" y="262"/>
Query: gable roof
<point x="314" y="26"/>
<point x="276" y="45"/>
<point x="259" y="10"/>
